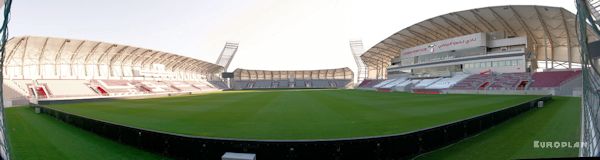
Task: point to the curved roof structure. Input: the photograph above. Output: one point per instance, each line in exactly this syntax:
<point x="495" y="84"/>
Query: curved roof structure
<point x="60" y="57"/>
<point x="551" y="32"/>
<point x="338" y="73"/>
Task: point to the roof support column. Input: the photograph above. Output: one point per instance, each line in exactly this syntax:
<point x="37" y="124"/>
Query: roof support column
<point x="569" y="53"/>
<point x="482" y="20"/>
<point x="41" y="55"/>
<point x="547" y="35"/>
<point x="72" y="59"/>
<point x="57" y="58"/>
<point x="503" y="22"/>
<point x="546" y="53"/>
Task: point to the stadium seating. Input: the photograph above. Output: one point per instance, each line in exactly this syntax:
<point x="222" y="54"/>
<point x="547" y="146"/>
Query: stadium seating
<point x="74" y="88"/>
<point x="282" y="84"/>
<point x="320" y="84"/>
<point x="15" y="90"/>
<point x="155" y="86"/>
<point x="426" y="82"/>
<point x="515" y="81"/>
<point x="370" y="83"/>
<point x="203" y="86"/>
<point x="509" y="81"/>
<point x="240" y="84"/>
<point x="183" y="86"/>
<point x="21" y="86"/>
<point x="381" y="84"/>
<point x="13" y="95"/>
<point x="407" y="85"/>
<point x="447" y="82"/>
<point x="116" y="87"/>
<point x="552" y="79"/>
<point x="475" y="81"/>
<point x="219" y="84"/>
<point x="394" y="83"/>
<point x="364" y="83"/>
<point x="263" y="84"/>
<point x="461" y="81"/>
<point x="69" y="88"/>
<point x="419" y="83"/>
<point x="342" y="83"/>
<point x="300" y="84"/>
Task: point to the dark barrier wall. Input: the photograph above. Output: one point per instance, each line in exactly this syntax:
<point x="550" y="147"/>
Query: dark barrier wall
<point x="400" y="146"/>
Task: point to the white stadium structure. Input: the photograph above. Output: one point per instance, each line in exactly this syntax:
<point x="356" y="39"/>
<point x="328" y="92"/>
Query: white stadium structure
<point x="325" y="78"/>
<point x="49" y="69"/>
<point x="489" y="49"/>
<point x="483" y="50"/>
<point x="57" y="68"/>
<point x="502" y="49"/>
<point x="513" y="49"/>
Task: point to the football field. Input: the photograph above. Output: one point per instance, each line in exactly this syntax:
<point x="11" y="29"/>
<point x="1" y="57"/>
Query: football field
<point x="292" y="114"/>
<point x="305" y="114"/>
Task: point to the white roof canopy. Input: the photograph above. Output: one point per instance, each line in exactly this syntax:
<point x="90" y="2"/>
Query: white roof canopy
<point x="551" y="32"/>
<point x="48" y="51"/>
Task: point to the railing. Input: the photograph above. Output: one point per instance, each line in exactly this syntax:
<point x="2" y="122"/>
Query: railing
<point x="590" y="129"/>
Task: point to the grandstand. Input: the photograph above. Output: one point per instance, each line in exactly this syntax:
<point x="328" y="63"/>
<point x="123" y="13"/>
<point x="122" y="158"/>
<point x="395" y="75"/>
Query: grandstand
<point x="47" y="68"/>
<point x="528" y="52"/>
<point x="263" y="79"/>
<point x="493" y="49"/>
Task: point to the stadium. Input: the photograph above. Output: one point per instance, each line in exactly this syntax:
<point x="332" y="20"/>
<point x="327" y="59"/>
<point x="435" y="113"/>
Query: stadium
<point x="500" y="82"/>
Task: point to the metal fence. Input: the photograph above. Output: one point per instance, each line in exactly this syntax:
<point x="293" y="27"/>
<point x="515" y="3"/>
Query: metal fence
<point x="4" y="147"/>
<point x="587" y="16"/>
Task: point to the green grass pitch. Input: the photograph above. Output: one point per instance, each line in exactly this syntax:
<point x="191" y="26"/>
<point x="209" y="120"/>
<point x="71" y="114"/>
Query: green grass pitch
<point x="558" y="120"/>
<point x="33" y="136"/>
<point x="293" y="115"/>
<point x="307" y="114"/>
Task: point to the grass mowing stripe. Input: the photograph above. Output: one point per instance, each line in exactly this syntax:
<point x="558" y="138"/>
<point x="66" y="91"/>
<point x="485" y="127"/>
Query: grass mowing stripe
<point x="513" y="139"/>
<point x="38" y="136"/>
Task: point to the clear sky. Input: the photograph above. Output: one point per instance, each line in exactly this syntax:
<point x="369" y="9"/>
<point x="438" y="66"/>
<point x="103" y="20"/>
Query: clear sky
<point x="273" y="34"/>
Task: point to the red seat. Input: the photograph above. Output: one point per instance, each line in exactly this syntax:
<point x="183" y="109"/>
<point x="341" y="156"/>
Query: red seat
<point x="552" y="79"/>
